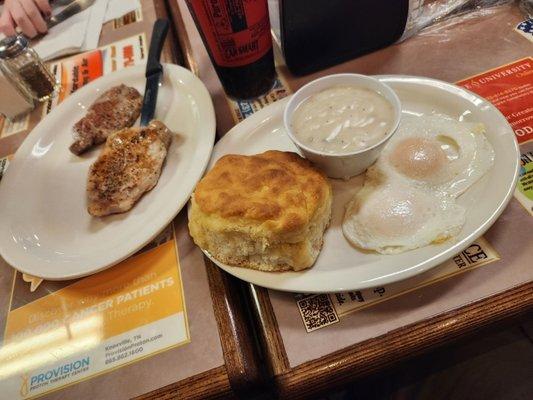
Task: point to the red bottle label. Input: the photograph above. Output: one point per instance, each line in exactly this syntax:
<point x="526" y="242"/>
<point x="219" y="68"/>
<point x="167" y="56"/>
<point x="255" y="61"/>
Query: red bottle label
<point x="236" y="31"/>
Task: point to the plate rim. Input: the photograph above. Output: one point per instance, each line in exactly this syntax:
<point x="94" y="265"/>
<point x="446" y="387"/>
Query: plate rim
<point x="33" y="137"/>
<point x="422" y="266"/>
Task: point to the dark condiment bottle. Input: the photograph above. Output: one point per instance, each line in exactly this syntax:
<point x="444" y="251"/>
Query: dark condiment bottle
<point x="237" y="36"/>
<point x="22" y="65"/>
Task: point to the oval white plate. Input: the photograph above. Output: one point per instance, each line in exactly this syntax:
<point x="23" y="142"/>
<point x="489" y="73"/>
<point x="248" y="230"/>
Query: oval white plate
<point x="46" y="230"/>
<point x="340" y="266"/>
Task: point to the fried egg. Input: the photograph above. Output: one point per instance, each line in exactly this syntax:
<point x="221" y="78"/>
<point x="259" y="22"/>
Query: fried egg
<point x="396" y="217"/>
<point x="409" y="196"/>
<point x="438" y="153"/>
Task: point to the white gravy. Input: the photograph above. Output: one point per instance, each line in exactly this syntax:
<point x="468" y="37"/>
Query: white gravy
<point x="342" y="119"/>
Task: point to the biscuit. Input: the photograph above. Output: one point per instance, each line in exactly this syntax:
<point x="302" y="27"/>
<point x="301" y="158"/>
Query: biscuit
<point x="267" y="211"/>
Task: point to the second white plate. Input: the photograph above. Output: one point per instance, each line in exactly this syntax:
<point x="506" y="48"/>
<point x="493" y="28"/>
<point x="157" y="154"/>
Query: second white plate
<point x="341" y="267"/>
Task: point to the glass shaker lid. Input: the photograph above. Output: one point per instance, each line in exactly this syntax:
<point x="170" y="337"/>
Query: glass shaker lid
<point x="11" y="46"/>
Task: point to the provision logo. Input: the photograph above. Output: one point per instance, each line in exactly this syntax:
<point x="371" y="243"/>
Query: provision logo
<point x="53" y="375"/>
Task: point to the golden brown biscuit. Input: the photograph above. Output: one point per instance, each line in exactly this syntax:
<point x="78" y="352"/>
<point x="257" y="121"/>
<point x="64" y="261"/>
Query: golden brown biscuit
<point x="267" y="211"/>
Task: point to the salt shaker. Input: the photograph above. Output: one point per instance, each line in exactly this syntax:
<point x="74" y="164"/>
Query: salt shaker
<point x="23" y="66"/>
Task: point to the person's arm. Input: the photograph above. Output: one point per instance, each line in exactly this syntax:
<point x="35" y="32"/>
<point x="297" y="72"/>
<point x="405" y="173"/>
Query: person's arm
<point x="28" y="15"/>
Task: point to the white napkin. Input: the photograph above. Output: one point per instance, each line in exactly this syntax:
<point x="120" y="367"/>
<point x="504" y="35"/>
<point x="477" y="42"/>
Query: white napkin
<point x="65" y="38"/>
<point x="94" y="27"/>
<point x="76" y="34"/>
<point x="117" y="8"/>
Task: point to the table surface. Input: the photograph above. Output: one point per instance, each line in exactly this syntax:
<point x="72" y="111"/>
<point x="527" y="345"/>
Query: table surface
<point x="370" y="339"/>
<point x="221" y="359"/>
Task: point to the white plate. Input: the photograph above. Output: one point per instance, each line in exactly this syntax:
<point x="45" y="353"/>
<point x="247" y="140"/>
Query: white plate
<point x="340" y="266"/>
<point x="46" y="230"/>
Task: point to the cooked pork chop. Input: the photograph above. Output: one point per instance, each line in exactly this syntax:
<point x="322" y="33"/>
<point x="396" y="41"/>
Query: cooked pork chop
<point x="129" y="166"/>
<point x="115" y="109"/>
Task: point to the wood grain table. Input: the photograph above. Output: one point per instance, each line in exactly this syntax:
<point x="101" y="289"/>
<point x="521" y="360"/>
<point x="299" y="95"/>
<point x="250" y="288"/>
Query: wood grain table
<point x="423" y="313"/>
<point x="221" y="360"/>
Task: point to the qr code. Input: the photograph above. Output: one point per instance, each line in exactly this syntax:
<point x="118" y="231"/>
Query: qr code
<point x="317" y="312"/>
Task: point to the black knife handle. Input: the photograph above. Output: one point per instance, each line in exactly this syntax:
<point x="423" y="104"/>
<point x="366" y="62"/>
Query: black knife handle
<point x="156" y="45"/>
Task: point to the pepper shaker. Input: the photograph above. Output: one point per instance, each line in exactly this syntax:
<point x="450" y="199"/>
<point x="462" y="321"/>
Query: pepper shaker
<point x="24" y="67"/>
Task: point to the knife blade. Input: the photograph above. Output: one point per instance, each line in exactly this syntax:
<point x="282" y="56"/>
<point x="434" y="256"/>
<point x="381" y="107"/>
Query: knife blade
<point x="73" y="8"/>
<point x="154" y="70"/>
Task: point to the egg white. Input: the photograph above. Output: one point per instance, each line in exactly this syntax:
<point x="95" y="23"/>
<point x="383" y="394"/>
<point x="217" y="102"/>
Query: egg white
<point x="393" y="218"/>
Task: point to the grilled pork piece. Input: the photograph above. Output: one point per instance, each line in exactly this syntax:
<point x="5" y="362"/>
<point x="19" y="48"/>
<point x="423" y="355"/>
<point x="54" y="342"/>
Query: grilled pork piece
<point x="117" y="108"/>
<point x="129" y="166"/>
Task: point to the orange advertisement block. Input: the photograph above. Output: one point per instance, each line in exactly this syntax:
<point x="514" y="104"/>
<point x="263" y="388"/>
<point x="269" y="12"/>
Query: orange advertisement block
<point x="510" y="89"/>
<point x="79" y="70"/>
<point x="136" y="292"/>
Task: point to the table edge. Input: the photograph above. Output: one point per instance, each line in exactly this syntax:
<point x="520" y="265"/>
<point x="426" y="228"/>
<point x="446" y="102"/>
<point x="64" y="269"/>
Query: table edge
<point x="194" y="387"/>
<point x="384" y="351"/>
<point x="240" y="374"/>
<point x="242" y="365"/>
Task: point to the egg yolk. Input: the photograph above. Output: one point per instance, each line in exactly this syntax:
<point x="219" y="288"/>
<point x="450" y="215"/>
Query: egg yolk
<point x="393" y="216"/>
<point x="418" y="158"/>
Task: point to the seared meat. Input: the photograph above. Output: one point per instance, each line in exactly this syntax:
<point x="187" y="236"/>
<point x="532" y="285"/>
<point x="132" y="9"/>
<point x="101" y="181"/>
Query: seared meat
<point x="117" y="108"/>
<point x="129" y="166"/>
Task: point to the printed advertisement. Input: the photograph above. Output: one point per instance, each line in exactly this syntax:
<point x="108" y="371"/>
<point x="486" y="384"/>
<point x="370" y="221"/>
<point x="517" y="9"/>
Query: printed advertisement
<point x="510" y="89"/>
<point x="321" y="310"/>
<point x="65" y="333"/>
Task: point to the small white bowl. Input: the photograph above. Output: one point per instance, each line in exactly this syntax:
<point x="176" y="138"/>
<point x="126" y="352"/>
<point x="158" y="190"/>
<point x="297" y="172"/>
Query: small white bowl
<point x="350" y="164"/>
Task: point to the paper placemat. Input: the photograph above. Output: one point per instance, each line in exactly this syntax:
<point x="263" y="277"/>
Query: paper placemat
<point x="314" y="326"/>
<point x="143" y="324"/>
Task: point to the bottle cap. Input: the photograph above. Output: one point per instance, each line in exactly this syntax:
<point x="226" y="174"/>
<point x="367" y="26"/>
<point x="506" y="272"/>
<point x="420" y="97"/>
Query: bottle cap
<point x="12" y="46"/>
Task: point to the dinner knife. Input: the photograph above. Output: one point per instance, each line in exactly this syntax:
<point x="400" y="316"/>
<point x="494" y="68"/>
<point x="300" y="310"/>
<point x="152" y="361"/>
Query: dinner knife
<point x="154" y="70"/>
<point x="73" y="8"/>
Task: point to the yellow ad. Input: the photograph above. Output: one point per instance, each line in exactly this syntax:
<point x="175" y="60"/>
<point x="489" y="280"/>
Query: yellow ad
<point x="98" y="323"/>
<point x="524" y="188"/>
